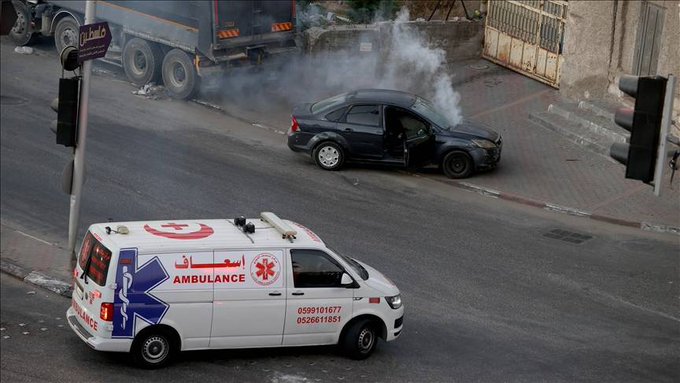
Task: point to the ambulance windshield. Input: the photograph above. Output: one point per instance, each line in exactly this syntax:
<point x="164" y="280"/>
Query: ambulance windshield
<point x="94" y="259"/>
<point x="363" y="273"/>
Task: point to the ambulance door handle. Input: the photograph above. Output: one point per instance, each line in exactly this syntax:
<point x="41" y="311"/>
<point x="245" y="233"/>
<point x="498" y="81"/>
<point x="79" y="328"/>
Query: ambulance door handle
<point x="298" y="293"/>
<point x="275" y="294"/>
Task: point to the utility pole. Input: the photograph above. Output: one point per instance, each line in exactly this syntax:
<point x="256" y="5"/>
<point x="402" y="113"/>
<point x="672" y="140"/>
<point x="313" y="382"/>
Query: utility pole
<point x="79" y="150"/>
<point x="665" y="129"/>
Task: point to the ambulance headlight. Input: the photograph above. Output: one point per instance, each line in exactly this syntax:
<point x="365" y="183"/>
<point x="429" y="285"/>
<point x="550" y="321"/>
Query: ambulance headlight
<point x="394" y="302"/>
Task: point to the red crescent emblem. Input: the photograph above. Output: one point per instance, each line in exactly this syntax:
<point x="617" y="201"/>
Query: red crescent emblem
<point x="204" y="232"/>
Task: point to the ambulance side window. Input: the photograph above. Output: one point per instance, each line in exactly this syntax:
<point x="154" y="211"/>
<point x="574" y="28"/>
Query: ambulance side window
<point x="314" y="268"/>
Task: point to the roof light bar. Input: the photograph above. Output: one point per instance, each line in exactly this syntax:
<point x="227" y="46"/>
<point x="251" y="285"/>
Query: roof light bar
<point x="286" y="231"/>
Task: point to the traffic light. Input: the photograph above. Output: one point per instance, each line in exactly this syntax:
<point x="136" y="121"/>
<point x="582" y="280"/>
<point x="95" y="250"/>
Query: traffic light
<point x="644" y="124"/>
<point x="66" y="105"/>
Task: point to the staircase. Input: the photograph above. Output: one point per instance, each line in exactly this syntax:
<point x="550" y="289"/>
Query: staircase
<point x="587" y="123"/>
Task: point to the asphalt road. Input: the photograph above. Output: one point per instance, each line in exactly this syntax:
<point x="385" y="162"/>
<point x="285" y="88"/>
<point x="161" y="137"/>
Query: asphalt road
<point x="488" y="296"/>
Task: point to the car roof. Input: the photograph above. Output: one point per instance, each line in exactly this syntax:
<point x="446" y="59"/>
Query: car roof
<point x="385" y="96"/>
<point x="222" y="234"/>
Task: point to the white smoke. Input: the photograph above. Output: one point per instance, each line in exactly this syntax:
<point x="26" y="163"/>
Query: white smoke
<point x="411" y="56"/>
<point x="405" y="62"/>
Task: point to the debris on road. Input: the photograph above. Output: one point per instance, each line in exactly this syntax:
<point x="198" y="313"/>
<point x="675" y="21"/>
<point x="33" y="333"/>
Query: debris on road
<point x="151" y="91"/>
<point x="24" y="50"/>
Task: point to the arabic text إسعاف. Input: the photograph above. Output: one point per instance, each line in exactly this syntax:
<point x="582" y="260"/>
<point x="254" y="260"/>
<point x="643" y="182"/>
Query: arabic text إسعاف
<point x="188" y="263"/>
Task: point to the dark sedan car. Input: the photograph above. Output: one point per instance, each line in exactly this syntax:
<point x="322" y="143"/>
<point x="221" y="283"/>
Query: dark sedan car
<point x="390" y="127"/>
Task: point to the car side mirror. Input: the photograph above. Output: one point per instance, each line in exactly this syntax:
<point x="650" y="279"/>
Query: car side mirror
<point x="346" y="280"/>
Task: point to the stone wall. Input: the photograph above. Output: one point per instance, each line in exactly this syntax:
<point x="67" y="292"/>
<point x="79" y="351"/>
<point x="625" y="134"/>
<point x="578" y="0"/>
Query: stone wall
<point x="460" y="40"/>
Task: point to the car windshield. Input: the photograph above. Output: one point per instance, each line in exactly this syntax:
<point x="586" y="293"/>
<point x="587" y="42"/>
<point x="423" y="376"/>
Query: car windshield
<point x="328" y="103"/>
<point x="363" y="273"/>
<point x="428" y="110"/>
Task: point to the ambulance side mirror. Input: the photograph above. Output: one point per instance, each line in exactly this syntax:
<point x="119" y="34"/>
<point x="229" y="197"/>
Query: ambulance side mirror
<point x="347" y="281"/>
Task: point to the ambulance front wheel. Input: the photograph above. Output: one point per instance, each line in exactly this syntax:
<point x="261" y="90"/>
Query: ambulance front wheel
<point x="153" y="349"/>
<point x="360" y="339"/>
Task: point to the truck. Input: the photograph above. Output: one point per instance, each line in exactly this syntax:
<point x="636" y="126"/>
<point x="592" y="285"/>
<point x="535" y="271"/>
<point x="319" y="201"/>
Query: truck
<point x="175" y="43"/>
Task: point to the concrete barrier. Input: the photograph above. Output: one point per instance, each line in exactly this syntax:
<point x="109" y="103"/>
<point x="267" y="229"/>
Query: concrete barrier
<point x="460" y="40"/>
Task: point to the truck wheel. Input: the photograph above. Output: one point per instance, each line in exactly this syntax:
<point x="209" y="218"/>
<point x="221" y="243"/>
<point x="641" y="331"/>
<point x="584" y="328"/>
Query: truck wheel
<point x="179" y="76"/>
<point x="141" y="61"/>
<point x="360" y="339"/>
<point x="152" y="349"/>
<point x="329" y="155"/>
<point x="457" y="164"/>
<point x="22" y="32"/>
<point x="66" y="34"/>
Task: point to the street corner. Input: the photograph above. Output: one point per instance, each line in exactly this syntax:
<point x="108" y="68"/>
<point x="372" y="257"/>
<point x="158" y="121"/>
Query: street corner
<point x="36" y="278"/>
<point x="13" y="269"/>
<point x="22" y="253"/>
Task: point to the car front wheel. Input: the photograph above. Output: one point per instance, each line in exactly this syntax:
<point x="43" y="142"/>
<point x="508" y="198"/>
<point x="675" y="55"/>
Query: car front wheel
<point x="457" y="164"/>
<point x="329" y="156"/>
<point x="360" y="339"/>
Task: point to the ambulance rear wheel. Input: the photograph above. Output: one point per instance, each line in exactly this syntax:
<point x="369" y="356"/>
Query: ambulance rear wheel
<point x="153" y="349"/>
<point x="360" y="339"/>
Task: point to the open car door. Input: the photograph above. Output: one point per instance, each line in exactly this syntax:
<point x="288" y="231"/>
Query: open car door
<point x="419" y="141"/>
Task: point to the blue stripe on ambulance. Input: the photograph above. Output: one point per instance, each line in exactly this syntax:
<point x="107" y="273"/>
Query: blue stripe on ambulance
<point x="133" y="299"/>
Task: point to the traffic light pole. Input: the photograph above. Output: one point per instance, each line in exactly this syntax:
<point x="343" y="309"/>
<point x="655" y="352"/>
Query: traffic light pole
<point x="79" y="151"/>
<point x="665" y="127"/>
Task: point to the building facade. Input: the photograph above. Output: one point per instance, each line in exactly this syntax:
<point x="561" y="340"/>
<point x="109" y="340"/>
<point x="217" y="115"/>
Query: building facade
<point x="606" y="39"/>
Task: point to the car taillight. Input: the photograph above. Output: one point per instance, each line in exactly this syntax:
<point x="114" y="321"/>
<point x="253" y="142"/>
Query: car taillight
<point x="294" y="127"/>
<point x="106" y="312"/>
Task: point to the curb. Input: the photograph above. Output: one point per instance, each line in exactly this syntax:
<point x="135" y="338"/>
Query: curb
<point x="36" y="278"/>
<point x="647" y="226"/>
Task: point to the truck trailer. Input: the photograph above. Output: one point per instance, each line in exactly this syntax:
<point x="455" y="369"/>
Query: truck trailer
<point x="173" y="42"/>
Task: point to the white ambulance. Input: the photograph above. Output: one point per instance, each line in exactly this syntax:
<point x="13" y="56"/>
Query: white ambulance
<point x="155" y="288"/>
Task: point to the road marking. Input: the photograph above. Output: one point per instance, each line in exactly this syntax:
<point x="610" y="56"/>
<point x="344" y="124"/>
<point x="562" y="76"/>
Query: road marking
<point x="36" y="238"/>
<point x="520" y="101"/>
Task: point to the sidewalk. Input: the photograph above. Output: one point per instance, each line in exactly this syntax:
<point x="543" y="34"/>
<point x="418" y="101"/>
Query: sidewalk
<point x="34" y="260"/>
<point x="543" y="168"/>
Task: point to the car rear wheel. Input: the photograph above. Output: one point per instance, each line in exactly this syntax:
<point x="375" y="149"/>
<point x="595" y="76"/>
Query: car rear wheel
<point x="179" y="76"/>
<point x="329" y="155"/>
<point x="153" y="349"/>
<point x="142" y="61"/>
<point x="360" y="339"/>
<point x="457" y="164"/>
